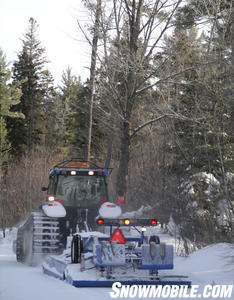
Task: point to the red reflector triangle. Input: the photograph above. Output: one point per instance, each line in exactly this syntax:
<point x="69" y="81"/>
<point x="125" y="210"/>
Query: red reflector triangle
<point x="118" y="237"/>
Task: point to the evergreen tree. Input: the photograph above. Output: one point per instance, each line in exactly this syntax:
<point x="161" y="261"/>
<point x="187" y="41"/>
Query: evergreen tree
<point x="9" y="97"/>
<point x="203" y="93"/>
<point x="72" y="117"/>
<point x="184" y="52"/>
<point x="36" y="87"/>
<point x="73" y="98"/>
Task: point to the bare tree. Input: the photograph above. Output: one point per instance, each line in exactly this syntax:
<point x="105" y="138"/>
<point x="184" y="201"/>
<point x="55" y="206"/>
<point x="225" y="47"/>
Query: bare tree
<point x="94" y="45"/>
<point x="130" y="67"/>
<point x="22" y="185"/>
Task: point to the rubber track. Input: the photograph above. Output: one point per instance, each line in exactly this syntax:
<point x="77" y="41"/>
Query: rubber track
<point x="44" y="233"/>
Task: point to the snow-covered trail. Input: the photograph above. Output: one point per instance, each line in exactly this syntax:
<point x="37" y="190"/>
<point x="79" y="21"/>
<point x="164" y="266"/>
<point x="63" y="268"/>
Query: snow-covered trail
<point x="20" y="282"/>
<point x="211" y="265"/>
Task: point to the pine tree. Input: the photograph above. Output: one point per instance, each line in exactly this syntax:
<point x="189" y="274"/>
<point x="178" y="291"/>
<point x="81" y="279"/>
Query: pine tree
<point x="203" y="93"/>
<point x="9" y="97"/>
<point x="216" y="78"/>
<point x="72" y="116"/>
<point x="36" y="87"/>
<point x="184" y="52"/>
<point x="72" y="112"/>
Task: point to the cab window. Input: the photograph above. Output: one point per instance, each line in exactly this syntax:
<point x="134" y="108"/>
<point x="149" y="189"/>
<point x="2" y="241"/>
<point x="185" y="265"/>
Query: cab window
<point x="81" y="191"/>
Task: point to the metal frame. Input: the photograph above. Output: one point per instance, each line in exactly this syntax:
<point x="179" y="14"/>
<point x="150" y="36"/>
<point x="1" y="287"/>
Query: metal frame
<point x="91" y="165"/>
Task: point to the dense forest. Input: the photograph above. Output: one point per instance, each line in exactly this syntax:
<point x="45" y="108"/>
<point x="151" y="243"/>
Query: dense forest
<point x="157" y="107"/>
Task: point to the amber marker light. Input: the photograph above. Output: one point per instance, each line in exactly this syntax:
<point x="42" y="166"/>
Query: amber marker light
<point x="127" y="222"/>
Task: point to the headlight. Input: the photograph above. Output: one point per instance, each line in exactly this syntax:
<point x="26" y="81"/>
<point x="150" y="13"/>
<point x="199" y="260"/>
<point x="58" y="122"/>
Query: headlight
<point x="51" y="198"/>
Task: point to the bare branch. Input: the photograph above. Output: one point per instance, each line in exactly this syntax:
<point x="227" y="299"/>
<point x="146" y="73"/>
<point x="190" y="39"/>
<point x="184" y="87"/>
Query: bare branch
<point x="170" y="116"/>
<point x="84" y="33"/>
<point x="163" y="80"/>
<point x="163" y="30"/>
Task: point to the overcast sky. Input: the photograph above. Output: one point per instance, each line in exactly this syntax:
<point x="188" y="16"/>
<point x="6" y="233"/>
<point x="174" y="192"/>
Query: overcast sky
<point x="57" y="20"/>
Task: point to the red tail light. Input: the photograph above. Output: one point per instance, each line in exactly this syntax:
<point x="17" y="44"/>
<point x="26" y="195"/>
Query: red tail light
<point x="100" y="221"/>
<point x="59" y="200"/>
<point x="101" y="201"/>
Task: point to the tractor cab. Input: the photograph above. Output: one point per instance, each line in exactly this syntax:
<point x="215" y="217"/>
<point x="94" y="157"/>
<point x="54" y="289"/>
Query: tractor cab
<point x="75" y="192"/>
<point x="75" y="184"/>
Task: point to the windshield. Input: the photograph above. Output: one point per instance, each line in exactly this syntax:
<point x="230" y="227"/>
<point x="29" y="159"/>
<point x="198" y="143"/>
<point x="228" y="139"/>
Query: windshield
<point x="81" y="191"/>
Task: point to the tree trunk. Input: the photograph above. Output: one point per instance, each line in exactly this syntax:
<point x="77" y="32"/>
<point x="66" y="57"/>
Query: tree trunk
<point x="232" y="36"/>
<point x="122" y="175"/>
<point x="109" y="150"/>
<point x="3" y="197"/>
<point x="92" y="81"/>
<point x="232" y="64"/>
<point x="109" y="142"/>
<point x="132" y="78"/>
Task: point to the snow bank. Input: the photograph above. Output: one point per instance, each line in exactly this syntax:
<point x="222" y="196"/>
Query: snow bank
<point x="6" y="244"/>
<point x="213" y="264"/>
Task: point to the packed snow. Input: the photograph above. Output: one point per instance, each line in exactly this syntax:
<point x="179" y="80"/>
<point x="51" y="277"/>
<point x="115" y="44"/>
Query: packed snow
<point x="213" y="265"/>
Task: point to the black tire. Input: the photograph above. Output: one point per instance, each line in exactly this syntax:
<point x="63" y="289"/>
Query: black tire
<point x="155" y="239"/>
<point x="76" y="249"/>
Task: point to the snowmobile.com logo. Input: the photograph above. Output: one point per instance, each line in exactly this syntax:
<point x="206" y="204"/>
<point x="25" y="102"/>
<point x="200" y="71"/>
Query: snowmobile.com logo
<point x="171" y="292"/>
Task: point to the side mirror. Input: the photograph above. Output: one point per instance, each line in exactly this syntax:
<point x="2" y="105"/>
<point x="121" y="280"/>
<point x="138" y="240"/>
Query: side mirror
<point x="121" y="200"/>
<point x="44" y="189"/>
